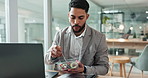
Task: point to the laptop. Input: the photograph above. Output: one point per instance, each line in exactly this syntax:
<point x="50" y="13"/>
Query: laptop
<point x="21" y="60"/>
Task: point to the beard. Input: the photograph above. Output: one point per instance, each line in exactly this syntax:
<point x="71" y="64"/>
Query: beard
<point x="80" y="28"/>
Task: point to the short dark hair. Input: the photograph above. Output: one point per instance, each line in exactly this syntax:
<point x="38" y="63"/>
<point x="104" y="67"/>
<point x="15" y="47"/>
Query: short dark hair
<point x="83" y="4"/>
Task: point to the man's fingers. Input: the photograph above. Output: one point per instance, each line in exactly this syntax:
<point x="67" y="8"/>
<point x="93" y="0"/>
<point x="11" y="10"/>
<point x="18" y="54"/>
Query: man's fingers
<point x="80" y="64"/>
<point x="58" y="48"/>
<point x="64" y="71"/>
<point x="53" y="54"/>
<point x="69" y="72"/>
<point x="59" y="53"/>
<point x="56" y="54"/>
<point x="56" y="51"/>
<point x="72" y="70"/>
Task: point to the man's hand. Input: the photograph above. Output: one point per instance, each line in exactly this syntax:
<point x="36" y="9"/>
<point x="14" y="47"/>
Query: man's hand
<point x="56" y="51"/>
<point x="80" y="69"/>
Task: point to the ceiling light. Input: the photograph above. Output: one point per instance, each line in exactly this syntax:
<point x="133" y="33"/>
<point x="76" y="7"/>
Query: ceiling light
<point x="121" y="27"/>
<point x="111" y="11"/>
<point x="146" y="17"/>
<point x="146" y="11"/>
<point x="99" y="12"/>
<point x="131" y="28"/>
<point x="140" y="27"/>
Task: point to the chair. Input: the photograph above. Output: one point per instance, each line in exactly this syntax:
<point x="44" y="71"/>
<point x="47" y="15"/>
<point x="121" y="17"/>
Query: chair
<point x="141" y="62"/>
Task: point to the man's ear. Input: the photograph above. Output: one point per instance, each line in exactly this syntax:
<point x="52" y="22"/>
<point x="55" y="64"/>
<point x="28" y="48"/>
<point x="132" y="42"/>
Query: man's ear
<point x="87" y="16"/>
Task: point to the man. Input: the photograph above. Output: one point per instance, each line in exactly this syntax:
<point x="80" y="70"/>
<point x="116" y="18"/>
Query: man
<point x="80" y="40"/>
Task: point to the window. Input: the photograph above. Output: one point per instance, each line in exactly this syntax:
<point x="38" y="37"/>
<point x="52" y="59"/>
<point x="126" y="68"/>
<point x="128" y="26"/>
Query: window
<point x="30" y="21"/>
<point x="2" y="21"/>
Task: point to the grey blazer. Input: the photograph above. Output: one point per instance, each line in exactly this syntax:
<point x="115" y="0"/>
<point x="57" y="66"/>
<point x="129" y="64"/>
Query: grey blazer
<point x="94" y="53"/>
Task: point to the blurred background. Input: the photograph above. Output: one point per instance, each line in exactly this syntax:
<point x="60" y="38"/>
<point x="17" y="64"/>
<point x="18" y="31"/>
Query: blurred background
<point x="112" y="17"/>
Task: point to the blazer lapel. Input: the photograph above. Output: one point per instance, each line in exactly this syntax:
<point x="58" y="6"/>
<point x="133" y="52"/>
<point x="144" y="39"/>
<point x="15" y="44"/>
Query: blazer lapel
<point x="67" y="38"/>
<point x="86" y="41"/>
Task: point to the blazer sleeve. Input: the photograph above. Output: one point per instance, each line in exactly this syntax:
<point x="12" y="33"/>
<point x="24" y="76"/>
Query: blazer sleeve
<point x="48" y="59"/>
<point x="100" y="66"/>
<point x="56" y="41"/>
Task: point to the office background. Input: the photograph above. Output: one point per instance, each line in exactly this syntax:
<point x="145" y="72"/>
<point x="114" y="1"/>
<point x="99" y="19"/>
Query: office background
<point x="36" y="21"/>
<point x="32" y="21"/>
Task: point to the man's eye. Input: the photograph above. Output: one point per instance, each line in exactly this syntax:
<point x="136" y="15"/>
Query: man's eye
<point x="72" y="17"/>
<point x="81" y="18"/>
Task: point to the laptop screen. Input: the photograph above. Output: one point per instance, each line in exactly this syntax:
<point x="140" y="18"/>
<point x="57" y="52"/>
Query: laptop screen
<point x="21" y="60"/>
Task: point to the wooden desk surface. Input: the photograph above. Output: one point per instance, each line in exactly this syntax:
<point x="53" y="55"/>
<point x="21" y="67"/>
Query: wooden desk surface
<point x="127" y="40"/>
<point x="127" y="43"/>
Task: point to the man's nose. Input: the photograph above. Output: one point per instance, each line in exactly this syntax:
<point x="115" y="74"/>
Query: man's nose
<point x="76" y="21"/>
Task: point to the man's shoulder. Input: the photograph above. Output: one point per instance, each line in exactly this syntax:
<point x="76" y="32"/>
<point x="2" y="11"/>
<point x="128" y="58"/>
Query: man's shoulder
<point x="96" y="32"/>
<point x="64" y="29"/>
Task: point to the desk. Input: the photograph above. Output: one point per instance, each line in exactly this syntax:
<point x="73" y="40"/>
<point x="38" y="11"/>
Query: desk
<point x="99" y="76"/>
<point x="126" y="43"/>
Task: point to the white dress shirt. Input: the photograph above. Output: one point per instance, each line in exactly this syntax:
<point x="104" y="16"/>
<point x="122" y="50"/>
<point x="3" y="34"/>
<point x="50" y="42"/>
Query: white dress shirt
<point x="76" y="45"/>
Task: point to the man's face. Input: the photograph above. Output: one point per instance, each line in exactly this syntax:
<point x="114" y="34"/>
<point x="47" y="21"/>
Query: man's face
<point x="77" y="19"/>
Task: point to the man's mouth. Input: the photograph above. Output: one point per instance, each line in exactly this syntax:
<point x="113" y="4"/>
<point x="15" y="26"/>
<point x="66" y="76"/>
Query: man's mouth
<point x="76" y="28"/>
